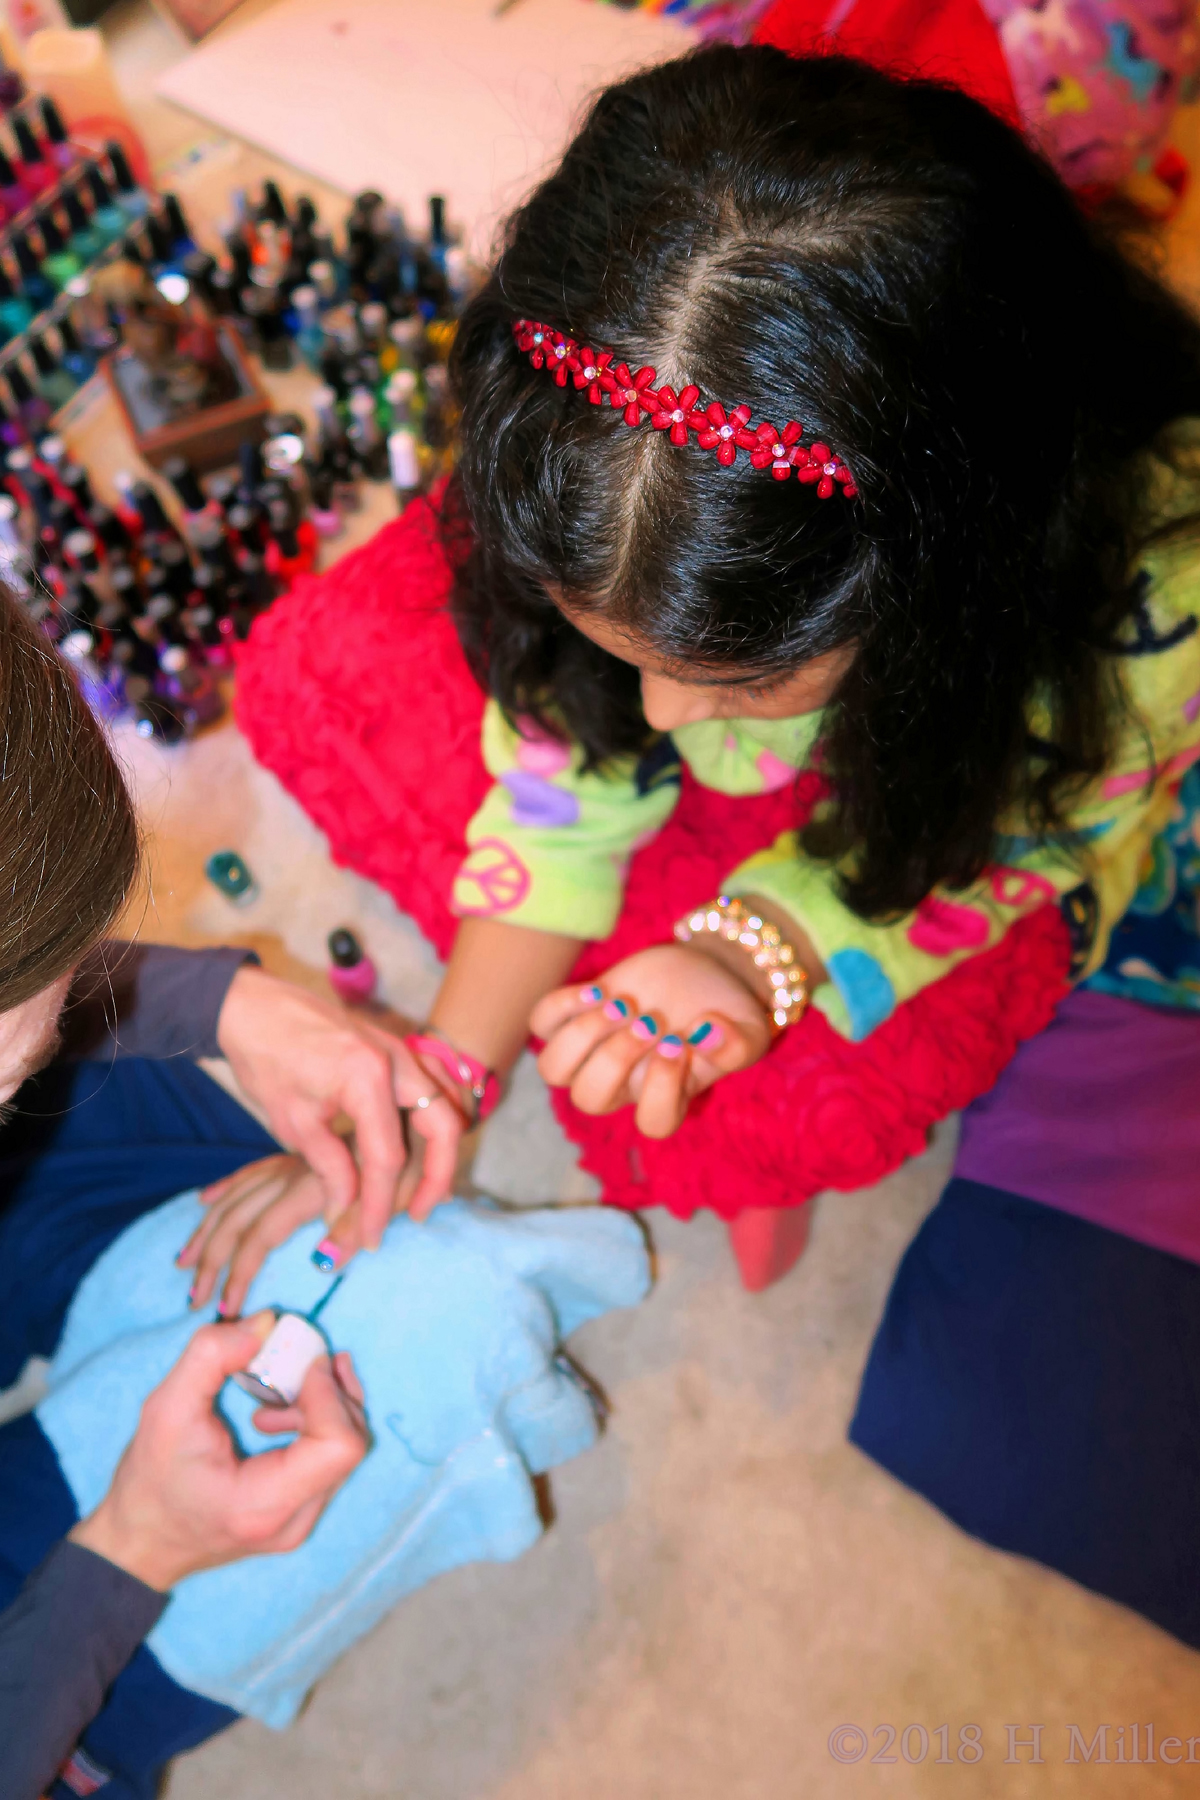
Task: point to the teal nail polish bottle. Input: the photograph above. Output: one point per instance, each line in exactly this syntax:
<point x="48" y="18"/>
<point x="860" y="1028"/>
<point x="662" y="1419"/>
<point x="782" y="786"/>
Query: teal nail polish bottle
<point x="55" y="384"/>
<point x="108" y="219"/>
<point x="87" y="240"/>
<point x="226" y="870"/>
<point x="16" y="314"/>
<point x="59" y="263"/>
<point x="131" y="199"/>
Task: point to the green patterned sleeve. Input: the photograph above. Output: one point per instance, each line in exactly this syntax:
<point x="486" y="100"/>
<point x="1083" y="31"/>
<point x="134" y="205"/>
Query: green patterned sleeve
<point x="550" y="845"/>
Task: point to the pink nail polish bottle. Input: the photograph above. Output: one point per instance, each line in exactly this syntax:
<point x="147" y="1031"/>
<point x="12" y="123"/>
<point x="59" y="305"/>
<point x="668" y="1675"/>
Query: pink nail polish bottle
<point x="351" y="972"/>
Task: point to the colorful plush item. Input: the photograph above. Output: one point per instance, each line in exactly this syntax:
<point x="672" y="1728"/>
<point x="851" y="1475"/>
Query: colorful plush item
<point x="354" y="691"/>
<point x="1094" y="83"/>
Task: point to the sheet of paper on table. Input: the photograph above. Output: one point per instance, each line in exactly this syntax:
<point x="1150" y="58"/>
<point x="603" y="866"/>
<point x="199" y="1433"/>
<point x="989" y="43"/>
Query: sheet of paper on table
<point x="415" y="97"/>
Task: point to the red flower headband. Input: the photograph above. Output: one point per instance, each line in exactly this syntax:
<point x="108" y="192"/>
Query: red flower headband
<point x="676" y="414"/>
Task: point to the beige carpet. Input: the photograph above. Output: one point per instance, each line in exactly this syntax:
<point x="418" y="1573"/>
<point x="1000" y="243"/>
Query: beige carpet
<point x="726" y="1581"/>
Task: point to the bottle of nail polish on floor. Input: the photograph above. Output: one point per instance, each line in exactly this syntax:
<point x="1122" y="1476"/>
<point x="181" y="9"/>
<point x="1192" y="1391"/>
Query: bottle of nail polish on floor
<point x="352" y="974"/>
<point x="321" y="509"/>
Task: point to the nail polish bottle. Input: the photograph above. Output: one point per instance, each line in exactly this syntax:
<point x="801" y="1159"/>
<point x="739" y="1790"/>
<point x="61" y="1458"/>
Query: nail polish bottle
<point x="87" y="241"/>
<point x="16" y="312"/>
<point x="183" y="478"/>
<point x="74" y="479"/>
<point x="322" y="511"/>
<point x="13" y="197"/>
<point x="310" y="336"/>
<point x="129" y="196"/>
<point x="157" y="235"/>
<point x="33" y="171"/>
<point x="199" y="267"/>
<point x="34" y="285"/>
<point x="352" y="974"/>
<point x="366" y="438"/>
<point x="292" y="551"/>
<point x="437" y="232"/>
<point x="77" y="359"/>
<point x="110" y="528"/>
<point x="79" y="551"/>
<point x="193" y="690"/>
<point x="61" y="149"/>
<point x="60" y="264"/>
<point x="230" y="876"/>
<point x="108" y="217"/>
<point x="323" y="275"/>
<point x="33" y="408"/>
<point x="173" y="217"/>
<point x="142" y="497"/>
<point x="404" y="464"/>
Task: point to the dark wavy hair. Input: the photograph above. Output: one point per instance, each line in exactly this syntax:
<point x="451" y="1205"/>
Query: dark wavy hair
<point x="888" y="262"/>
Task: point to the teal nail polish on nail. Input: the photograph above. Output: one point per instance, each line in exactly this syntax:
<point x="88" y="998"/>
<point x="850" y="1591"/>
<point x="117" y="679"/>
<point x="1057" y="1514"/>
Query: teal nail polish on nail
<point x="616" y="1009"/>
<point x="589" y="996"/>
<point x="671" y="1046"/>
<point x="701" y="1034"/>
<point x="643" y="1027"/>
<point x="326" y="1256"/>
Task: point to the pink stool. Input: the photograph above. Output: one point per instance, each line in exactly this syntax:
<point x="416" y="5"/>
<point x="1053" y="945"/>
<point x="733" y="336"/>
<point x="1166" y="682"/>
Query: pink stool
<point x="768" y="1241"/>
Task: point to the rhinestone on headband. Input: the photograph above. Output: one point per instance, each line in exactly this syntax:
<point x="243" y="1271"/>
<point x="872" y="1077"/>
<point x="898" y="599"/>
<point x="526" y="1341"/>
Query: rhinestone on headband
<point x="680" y="415"/>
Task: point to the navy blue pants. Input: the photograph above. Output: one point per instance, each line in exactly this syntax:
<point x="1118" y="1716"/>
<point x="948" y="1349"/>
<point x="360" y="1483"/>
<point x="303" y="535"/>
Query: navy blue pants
<point x="90" y="1148"/>
<point x="1038" y="1379"/>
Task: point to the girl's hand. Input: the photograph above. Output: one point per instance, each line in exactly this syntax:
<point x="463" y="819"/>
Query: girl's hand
<point x="249" y="1214"/>
<point x="656" y="1029"/>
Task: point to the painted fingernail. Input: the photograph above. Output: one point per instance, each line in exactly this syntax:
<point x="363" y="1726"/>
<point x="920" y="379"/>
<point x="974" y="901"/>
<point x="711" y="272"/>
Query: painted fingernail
<point x="671" y="1045"/>
<point x="590" y="996"/>
<point x="191" y="1296"/>
<point x="327" y="1256"/>
<point x="616" y="1009"/>
<point x="706" y="1034"/>
<point x="643" y="1027"/>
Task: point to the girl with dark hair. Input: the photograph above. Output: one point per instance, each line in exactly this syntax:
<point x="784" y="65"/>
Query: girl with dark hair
<point x="814" y="449"/>
<point x="848" y="446"/>
<point x="824" y="529"/>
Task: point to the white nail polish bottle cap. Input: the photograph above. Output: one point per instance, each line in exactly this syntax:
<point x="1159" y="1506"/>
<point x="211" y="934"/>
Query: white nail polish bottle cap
<point x="277" y="1373"/>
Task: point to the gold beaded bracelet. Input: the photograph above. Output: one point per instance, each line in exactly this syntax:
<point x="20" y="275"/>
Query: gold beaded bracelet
<point x="731" y="919"/>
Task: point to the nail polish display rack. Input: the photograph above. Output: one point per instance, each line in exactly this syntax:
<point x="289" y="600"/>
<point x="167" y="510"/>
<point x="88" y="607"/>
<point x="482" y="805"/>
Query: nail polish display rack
<point x="146" y="598"/>
<point x="26" y="224"/>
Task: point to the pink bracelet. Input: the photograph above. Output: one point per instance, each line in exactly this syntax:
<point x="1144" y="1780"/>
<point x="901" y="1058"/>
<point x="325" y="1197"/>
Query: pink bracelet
<point x="466" y="1070"/>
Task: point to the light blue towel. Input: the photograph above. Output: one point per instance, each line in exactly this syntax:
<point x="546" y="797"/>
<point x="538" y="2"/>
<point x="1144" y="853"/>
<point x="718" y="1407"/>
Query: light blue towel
<point x="454" y="1327"/>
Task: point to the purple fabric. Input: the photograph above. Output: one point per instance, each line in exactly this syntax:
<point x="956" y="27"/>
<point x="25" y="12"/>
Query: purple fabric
<point x="1100" y="1117"/>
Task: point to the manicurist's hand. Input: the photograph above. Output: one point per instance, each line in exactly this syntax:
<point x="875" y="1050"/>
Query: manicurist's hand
<point x="655" y="1030"/>
<point x="306" y="1060"/>
<point x="184" y="1499"/>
